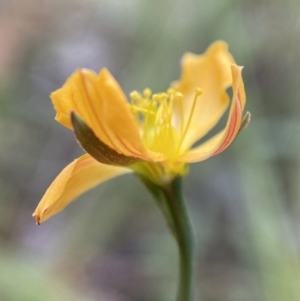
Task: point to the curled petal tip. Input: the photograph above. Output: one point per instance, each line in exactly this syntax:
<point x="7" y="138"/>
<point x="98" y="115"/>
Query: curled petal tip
<point x="237" y="66"/>
<point x="37" y="219"/>
<point x="246" y="120"/>
<point x="72" y="116"/>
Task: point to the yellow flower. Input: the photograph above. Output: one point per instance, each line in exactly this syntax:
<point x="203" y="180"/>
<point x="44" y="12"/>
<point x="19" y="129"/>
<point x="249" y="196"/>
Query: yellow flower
<point x="152" y="135"/>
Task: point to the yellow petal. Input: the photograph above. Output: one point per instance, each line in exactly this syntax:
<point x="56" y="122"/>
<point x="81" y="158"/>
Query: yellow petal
<point x="210" y="72"/>
<point x="81" y="175"/>
<point x="221" y="141"/>
<point x="101" y="103"/>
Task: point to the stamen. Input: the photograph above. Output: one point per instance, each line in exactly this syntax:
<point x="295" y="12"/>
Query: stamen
<point x="147" y="93"/>
<point x="164" y="96"/>
<point x="141" y="110"/>
<point x="150" y="113"/>
<point x="134" y="95"/>
<point x="156" y="97"/>
<point x="154" y="113"/>
<point x="198" y="92"/>
<point x="171" y="93"/>
<point x="178" y="98"/>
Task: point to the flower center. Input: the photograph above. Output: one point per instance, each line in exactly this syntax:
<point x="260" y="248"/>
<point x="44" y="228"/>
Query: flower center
<point x="161" y="119"/>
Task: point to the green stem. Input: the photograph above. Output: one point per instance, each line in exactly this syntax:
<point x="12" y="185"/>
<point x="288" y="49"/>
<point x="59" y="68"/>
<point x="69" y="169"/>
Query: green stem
<point x="184" y="237"/>
<point x="171" y="202"/>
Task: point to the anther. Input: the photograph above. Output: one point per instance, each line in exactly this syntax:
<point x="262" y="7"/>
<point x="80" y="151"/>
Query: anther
<point x="147" y="93"/>
<point x="156" y="97"/>
<point x="164" y="96"/>
<point x="178" y="95"/>
<point x="134" y="95"/>
<point x="198" y="91"/>
<point x="170" y="91"/>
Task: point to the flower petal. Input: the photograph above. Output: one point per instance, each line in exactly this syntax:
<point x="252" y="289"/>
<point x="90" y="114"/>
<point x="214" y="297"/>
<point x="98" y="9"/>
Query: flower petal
<point x="222" y="140"/>
<point x="210" y="72"/>
<point x="101" y="103"/>
<point x="81" y="175"/>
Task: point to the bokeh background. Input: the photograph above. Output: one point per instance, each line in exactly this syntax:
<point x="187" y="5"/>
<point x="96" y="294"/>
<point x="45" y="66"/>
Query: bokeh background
<point x="113" y="244"/>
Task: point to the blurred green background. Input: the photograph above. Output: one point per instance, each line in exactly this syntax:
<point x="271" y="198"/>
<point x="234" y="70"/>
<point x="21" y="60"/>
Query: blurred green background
<point x="113" y="244"/>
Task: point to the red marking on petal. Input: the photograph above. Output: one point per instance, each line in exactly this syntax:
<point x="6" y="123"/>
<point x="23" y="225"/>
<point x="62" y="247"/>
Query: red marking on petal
<point x="138" y="155"/>
<point x="95" y="111"/>
<point x="234" y="124"/>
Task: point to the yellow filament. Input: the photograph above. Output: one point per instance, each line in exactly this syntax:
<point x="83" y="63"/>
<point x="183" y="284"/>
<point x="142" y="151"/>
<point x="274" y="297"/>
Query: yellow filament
<point x="198" y="92"/>
<point x="178" y="97"/>
<point x="147" y="93"/>
<point x="171" y="92"/>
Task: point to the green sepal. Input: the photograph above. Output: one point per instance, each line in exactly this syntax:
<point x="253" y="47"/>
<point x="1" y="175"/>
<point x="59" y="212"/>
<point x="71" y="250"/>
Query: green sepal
<point x="95" y="147"/>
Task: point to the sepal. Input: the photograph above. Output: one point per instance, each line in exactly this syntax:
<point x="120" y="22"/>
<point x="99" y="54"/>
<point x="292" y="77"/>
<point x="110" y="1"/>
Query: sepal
<point x="95" y="147"/>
